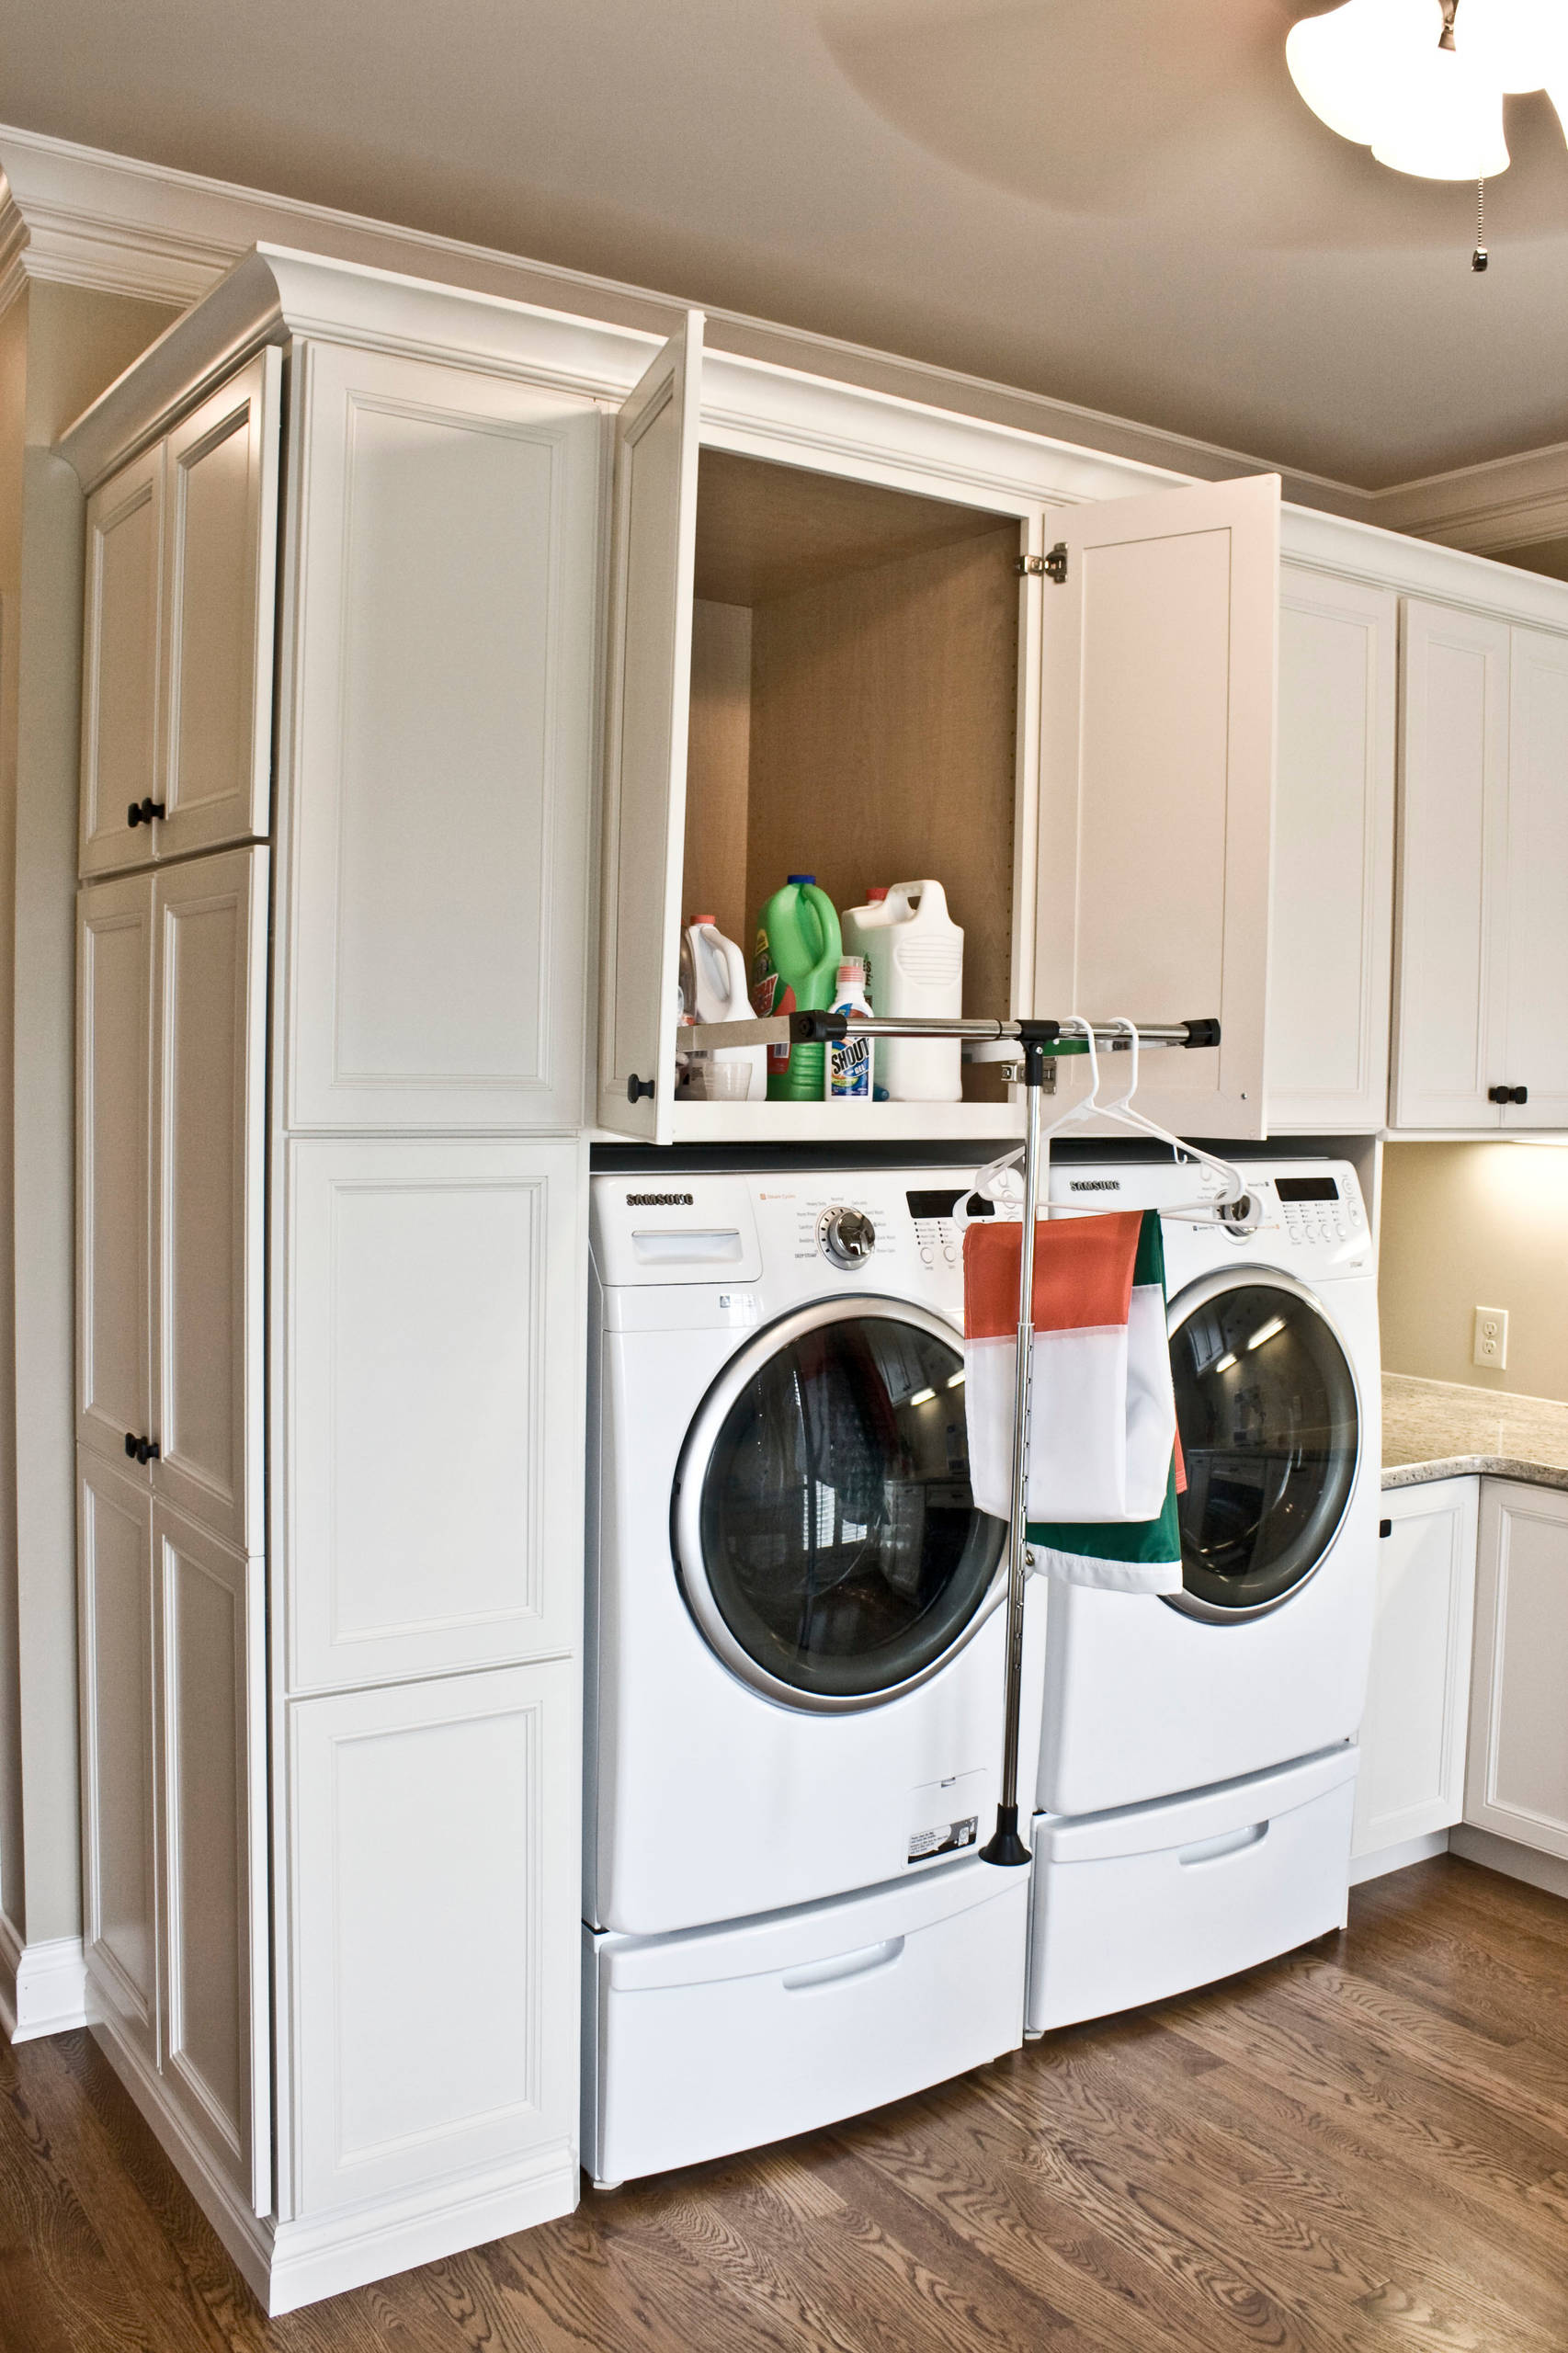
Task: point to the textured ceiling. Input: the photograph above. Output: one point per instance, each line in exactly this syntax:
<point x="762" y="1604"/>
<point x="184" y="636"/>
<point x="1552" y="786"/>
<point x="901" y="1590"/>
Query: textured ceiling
<point x="1117" y="202"/>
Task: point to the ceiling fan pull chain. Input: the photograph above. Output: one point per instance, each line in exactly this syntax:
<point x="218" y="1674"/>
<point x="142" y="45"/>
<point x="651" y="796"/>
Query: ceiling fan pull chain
<point x="1478" y="259"/>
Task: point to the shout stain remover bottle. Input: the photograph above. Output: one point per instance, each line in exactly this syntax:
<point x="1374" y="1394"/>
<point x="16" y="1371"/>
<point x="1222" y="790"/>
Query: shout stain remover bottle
<point x="850" y="1064"/>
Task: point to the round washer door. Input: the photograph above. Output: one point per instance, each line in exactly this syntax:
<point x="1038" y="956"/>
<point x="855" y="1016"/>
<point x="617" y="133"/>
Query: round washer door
<point x="1269" y="1415"/>
<point x="824" y="1530"/>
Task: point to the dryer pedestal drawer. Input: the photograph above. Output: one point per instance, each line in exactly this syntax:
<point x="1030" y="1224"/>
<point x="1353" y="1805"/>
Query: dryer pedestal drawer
<point x="1147" y="1901"/>
<point x="724" y="2038"/>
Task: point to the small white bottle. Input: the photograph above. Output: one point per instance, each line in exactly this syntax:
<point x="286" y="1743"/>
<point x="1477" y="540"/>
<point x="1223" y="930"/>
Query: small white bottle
<point x="846" y="1067"/>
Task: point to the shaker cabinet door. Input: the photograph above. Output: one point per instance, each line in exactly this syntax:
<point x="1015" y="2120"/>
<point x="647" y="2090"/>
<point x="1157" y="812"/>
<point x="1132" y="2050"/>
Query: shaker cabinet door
<point x="1412" y="1734"/>
<point x="1450" y="1005"/>
<point x="438" y="784"/>
<point x="210" y="1001"/>
<point x="1535" y="1054"/>
<point x="651" y="587"/>
<point x="114" y="933"/>
<point x="220" y="584"/>
<point x="1517" y="1784"/>
<point x="1157" y="783"/>
<point x="122" y="641"/>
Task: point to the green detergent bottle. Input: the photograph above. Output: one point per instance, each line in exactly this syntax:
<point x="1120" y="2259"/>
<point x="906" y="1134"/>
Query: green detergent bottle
<point x="796" y="964"/>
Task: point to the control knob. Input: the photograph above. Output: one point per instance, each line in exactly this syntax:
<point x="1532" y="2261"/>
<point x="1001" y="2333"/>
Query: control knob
<point x="847" y="1236"/>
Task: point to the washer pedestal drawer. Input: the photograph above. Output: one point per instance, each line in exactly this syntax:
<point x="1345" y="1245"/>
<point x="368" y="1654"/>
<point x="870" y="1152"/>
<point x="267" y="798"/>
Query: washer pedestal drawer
<point x="715" y="2039"/>
<point x="1143" y="1902"/>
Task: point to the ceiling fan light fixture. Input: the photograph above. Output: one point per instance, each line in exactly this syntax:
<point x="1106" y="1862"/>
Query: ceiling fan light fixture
<point x="1422" y="82"/>
<point x="1448" y="124"/>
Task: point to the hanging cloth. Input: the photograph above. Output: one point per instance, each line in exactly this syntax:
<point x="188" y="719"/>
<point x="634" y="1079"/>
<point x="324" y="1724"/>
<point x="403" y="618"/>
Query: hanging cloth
<point x="1103" y="1456"/>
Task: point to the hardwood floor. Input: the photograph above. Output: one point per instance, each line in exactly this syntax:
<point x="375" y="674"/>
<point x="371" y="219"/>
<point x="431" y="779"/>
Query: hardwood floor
<point x="1364" y="2145"/>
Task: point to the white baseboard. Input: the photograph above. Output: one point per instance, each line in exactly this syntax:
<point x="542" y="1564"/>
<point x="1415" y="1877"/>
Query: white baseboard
<point x="43" y="1986"/>
<point x="286" y="2265"/>
<point x="1506" y="1855"/>
<point x="313" y="2260"/>
<point x="1399" y="1858"/>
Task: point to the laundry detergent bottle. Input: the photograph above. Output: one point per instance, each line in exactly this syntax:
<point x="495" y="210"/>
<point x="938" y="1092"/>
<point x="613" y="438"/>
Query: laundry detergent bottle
<point x="796" y="966"/>
<point x="914" y="957"/>
<point x="713" y="989"/>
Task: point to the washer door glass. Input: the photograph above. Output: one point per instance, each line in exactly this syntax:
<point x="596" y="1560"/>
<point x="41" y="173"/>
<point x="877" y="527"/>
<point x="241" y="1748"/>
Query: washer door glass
<point x="830" y="1548"/>
<point x="1266" y="1404"/>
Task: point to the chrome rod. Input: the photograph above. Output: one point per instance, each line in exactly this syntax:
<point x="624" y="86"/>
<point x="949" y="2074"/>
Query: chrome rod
<point x="782" y="1030"/>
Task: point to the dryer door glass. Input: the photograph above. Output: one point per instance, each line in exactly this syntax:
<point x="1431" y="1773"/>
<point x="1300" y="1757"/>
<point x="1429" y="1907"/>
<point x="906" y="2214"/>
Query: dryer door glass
<point x="1266" y="1408"/>
<point x="828" y="1537"/>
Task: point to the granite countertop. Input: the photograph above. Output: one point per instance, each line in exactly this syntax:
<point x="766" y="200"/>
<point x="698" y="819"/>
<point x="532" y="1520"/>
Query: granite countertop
<point x="1443" y="1430"/>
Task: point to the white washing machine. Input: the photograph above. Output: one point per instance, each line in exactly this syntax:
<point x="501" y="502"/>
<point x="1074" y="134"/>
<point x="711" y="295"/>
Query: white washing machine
<point x="795" y="1665"/>
<point x="1197" y="1759"/>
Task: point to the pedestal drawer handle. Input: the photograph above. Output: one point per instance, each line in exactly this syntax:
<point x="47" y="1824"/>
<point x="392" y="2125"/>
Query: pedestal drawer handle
<point x="843" y="1965"/>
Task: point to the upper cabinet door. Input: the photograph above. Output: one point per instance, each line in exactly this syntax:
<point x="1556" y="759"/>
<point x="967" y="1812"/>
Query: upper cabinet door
<point x="1451" y="1009"/>
<point x="437" y="783"/>
<point x="1331" y="944"/>
<point x="219" y="576"/>
<point x="114" y="926"/>
<point x="645" y="750"/>
<point x="208" y="1028"/>
<point x="1535" y="1054"/>
<point x="1157" y="786"/>
<point x="122" y="629"/>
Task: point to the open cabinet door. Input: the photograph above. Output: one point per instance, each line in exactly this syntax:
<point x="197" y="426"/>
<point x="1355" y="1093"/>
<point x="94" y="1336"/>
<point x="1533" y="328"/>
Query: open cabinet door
<point x="1157" y="741"/>
<point x="649" y="688"/>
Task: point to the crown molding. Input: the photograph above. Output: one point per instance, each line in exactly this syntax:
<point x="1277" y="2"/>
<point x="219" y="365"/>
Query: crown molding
<point x="1512" y="502"/>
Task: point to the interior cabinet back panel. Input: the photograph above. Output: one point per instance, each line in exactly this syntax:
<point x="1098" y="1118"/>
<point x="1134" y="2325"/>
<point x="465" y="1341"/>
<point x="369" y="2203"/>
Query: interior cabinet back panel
<point x="209" y="1013"/>
<point x="440" y="770"/>
<point x="1450" y="1030"/>
<point x="221" y="587"/>
<point x="1161" y="655"/>
<point x="119" y="1716"/>
<point x="122" y="637"/>
<point x="1537" y="1052"/>
<point x="215" y="1785"/>
<point x="1330" y="954"/>
<point x="433" y="1389"/>
<point x="113" y="972"/>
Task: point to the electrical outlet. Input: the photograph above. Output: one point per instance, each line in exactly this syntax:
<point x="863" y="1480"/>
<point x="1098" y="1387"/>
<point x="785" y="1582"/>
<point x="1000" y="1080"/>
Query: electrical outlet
<point x="1491" y="1343"/>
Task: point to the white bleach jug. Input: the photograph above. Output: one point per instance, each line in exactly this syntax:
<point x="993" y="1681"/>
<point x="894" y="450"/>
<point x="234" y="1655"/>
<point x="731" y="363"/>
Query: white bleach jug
<point x="714" y="986"/>
<point x="913" y="957"/>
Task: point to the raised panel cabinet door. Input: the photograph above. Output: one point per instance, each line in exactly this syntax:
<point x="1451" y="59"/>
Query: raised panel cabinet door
<point x="216" y="2038"/>
<point x="123" y="631"/>
<point x="116" y="1671"/>
<point x="432" y="1385"/>
<point x="1450" y="961"/>
<point x="114" y="933"/>
<point x="1330" y="945"/>
<point x="210" y="1012"/>
<point x="1516" y="1783"/>
<point x="432" y="1940"/>
<point x="1157" y="784"/>
<point x="1535" y="1051"/>
<point x="438" y="787"/>
<point x="221" y="587"/>
<point x="652" y="585"/>
<point x="1412" y="1734"/>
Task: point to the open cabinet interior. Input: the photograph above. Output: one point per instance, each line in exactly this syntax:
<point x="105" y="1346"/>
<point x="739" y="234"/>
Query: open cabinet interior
<point x="854" y="705"/>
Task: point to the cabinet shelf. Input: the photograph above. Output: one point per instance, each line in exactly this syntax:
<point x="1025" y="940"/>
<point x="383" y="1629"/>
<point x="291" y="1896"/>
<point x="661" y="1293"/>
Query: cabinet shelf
<point x="697" y="1122"/>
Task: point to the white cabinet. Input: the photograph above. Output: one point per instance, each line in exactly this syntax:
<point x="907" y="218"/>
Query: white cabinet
<point x="1481" y="1002"/>
<point x="177" y="719"/>
<point x="1517" y="1784"/>
<point x="171" y="1004"/>
<point x="1413" y="1733"/>
<point x="431" y="2003"/>
<point x="434" y="1379"/>
<point x="439" y="790"/>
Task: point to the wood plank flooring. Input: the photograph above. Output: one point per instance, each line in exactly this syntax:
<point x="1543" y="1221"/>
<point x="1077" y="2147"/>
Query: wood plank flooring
<point x="1364" y="2145"/>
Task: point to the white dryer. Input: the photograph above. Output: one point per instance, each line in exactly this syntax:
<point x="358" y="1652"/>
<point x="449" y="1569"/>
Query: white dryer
<point x="795" y="1665"/>
<point x="1197" y="1765"/>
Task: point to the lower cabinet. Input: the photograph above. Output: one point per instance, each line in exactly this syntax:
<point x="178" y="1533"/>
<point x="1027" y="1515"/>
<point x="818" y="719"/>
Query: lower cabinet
<point x="1517" y="1785"/>
<point x="173" y="1783"/>
<point x="432" y="1970"/>
<point x="1412" y="1734"/>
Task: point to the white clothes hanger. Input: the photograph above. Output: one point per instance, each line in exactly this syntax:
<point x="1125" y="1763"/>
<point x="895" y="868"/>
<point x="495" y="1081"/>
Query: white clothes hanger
<point x="1199" y="1213"/>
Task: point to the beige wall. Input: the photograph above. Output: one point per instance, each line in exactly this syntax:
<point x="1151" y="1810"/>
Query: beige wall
<point x="1468" y="1225"/>
<point x="60" y="345"/>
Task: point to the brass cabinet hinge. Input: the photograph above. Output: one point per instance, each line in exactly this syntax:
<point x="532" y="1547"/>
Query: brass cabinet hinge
<point x="1045" y="567"/>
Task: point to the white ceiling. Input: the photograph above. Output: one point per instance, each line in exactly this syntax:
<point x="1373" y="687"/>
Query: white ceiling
<point x="1117" y="202"/>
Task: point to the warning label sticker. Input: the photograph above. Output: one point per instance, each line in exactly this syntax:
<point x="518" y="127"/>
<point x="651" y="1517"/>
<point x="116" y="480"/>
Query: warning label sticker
<point x="944" y="1839"/>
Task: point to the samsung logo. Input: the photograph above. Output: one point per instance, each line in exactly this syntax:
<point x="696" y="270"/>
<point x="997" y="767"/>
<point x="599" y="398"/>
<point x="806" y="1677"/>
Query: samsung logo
<point x="1094" y="1185"/>
<point x="660" y="1201"/>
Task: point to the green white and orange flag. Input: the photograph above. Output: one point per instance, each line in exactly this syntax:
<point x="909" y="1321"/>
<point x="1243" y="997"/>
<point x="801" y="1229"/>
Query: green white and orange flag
<point x="1104" y="1461"/>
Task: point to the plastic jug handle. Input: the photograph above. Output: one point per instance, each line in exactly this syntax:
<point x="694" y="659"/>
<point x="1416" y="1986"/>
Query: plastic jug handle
<point x="815" y="901"/>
